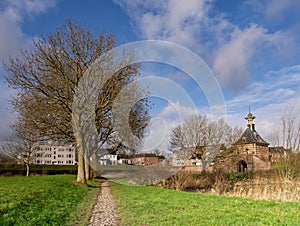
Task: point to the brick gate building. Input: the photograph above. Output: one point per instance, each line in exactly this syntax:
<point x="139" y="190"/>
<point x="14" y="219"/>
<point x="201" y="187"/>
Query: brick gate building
<point x="249" y="153"/>
<point x="252" y="150"/>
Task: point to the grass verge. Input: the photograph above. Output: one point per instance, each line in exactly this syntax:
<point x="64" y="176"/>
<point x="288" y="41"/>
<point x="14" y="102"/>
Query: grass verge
<point x="46" y="200"/>
<point x="140" y="205"/>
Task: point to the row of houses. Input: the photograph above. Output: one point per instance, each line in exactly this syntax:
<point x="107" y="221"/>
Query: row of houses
<point x="142" y="159"/>
<point x="55" y="154"/>
<point x="249" y="153"/>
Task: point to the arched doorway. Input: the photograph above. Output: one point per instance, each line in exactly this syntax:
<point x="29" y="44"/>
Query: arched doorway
<point x="242" y="166"/>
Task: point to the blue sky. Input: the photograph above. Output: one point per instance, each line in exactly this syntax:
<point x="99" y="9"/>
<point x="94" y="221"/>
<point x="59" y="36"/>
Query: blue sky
<point x="251" y="46"/>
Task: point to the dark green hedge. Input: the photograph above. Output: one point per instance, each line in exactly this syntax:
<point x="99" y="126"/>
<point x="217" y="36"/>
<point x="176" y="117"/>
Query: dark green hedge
<point x="18" y="169"/>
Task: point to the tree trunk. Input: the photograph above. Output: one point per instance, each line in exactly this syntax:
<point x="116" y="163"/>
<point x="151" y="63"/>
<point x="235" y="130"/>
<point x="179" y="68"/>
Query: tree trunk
<point x="203" y="165"/>
<point x="87" y="166"/>
<point x="81" y="168"/>
<point x="93" y="165"/>
<point x="27" y="169"/>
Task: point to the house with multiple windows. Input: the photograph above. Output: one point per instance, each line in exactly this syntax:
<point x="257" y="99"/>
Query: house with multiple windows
<point x="145" y="159"/>
<point x="277" y="154"/>
<point x="54" y="154"/>
<point x="108" y="159"/>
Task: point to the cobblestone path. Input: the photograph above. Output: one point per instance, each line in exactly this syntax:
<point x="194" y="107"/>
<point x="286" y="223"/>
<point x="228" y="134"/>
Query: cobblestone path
<point x="105" y="213"/>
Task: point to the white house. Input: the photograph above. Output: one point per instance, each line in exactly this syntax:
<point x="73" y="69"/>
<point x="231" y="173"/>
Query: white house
<point x="108" y="159"/>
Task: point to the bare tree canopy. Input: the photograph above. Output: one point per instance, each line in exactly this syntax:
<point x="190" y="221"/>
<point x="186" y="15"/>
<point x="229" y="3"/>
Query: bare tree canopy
<point x="197" y="132"/>
<point x="192" y="133"/>
<point x="287" y="134"/>
<point x="19" y="146"/>
<point x="204" y="139"/>
<point x="47" y="77"/>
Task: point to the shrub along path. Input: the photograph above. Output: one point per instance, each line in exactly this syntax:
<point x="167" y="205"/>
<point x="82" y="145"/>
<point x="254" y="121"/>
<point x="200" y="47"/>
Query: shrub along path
<point x="105" y="213"/>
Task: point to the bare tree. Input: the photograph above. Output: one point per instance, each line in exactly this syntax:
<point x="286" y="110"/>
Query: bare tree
<point x="191" y="134"/>
<point x="233" y="135"/>
<point x="5" y="159"/>
<point x="203" y="136"/>
<point x="196" y="131"/>
<point x="288" y="134"/>
<point x="20" y="147"/>
<point x="47" y="79"/>
<point x="217" y="132"/>
<point x="274" y="137"/>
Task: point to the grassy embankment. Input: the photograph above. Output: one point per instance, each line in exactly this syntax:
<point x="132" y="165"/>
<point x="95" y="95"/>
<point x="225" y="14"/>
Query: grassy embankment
<point x="46" y="200"/>
<point x="139" y="205"/>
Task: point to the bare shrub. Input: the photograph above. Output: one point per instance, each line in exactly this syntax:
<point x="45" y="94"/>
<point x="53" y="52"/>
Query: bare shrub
<point x="264" y="188"/>
<point x="222" y="183"/>
<point x="281" y="183"/>
<point x="204" y="182"/>
<point x="180" y="181"/>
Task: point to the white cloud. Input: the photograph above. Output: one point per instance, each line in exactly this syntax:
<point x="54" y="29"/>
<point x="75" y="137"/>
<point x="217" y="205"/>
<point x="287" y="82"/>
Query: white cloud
<point x="239" y="53"/>
<point x="5" y="113"/>
<point x="246" y="49"/>
<point x="275" y="87"/>
<point x="12" y="37"/>
<point x="276" y="8"/>
<point x="268" y="99"/>
<point x="232" y="50"/>
<point x="30" y="7"/>
<point x="268" y="117"/>
<point x="273" y="11"/>
<point x="231" y="60"/>
<point x="167" y="20"/>
<point x="12" y="15"/>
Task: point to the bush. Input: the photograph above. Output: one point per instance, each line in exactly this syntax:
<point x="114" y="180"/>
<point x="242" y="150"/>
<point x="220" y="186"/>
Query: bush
<point x="204" y="182"/>
<point x="18" y="169"/>
<point x="280" y="183"/>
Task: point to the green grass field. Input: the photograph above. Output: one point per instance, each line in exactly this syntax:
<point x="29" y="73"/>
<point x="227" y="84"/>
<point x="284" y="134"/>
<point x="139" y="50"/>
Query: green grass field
<point x="57" y="200"/>
<point x="46" y="200"/>
<point x="139" y="205"/>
